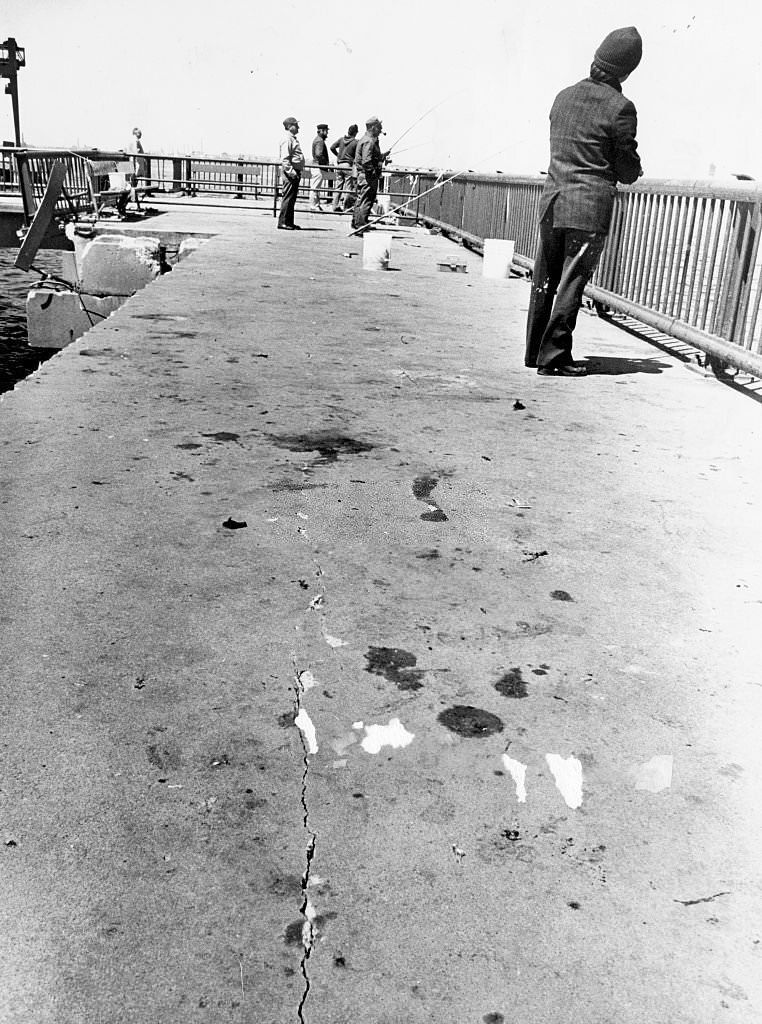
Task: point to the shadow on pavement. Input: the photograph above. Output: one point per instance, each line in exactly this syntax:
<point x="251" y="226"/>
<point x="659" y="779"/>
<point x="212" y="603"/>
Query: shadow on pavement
<point x="616" y="365"/>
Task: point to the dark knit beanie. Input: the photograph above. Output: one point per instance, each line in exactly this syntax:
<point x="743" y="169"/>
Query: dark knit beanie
<point x="620" y="51"/>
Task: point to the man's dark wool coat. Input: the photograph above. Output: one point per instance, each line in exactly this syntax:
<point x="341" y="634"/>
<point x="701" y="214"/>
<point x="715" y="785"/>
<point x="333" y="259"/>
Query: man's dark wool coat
<point x="592" y="147"/>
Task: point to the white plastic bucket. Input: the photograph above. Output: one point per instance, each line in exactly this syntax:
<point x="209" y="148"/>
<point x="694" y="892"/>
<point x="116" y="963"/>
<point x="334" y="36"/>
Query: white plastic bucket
<point x="498" y="256"/>
<point x="376" y="250"/>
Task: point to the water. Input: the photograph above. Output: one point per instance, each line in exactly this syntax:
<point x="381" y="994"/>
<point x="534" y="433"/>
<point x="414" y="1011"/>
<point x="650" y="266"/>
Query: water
<point x="17" y="360"/>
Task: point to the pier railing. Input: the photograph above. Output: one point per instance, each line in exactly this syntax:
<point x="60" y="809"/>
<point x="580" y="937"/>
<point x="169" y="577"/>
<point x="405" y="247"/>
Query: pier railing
<point x="681" y="257"/>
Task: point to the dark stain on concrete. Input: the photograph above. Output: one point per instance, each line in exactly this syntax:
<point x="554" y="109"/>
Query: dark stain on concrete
<point x="435" y="515"/>
<point x="561" y="595"/>
<point x="512" y="684"/>
<point x="469" y="721"/>
<point x="286" y="720"/>
<point x="293" y="933"/>
<point x="163" y="757"/>
<point x="329" y="445"/>
<point x="234" y="524"/>
<point x="289" y="485"/>
<point x="574" y="904"/>
<point x="395" y="665"/>
<point x="493" y="1018"/>
<point x="429" y="555"/>
<point x="539" y="672"/>
<point x="223" y="436"/>
<point x="423" y="486"/>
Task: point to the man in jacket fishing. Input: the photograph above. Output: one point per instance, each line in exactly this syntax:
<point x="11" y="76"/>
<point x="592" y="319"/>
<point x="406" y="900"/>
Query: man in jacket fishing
<point x="369" y="163"/>
<point x="592" y="147"/>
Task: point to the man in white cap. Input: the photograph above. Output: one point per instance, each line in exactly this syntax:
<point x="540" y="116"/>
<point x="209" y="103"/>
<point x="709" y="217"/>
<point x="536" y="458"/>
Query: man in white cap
<point x="369" y="163"/>
<point x="592" y="147"/>
<point x="291" y="165"/>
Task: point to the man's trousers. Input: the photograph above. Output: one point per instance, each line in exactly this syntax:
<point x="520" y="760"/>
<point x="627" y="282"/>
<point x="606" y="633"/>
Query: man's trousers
<point x="288" y="200"/>
<point x="343" y="188"/>
<point x="367" y="190"/>
<point x="565" y="261"/>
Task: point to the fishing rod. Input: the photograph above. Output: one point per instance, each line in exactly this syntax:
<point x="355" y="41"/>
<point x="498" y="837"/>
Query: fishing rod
<point x="416" y="146"/>
<point x="437" y="184"/>
<point x="407" y="130"/>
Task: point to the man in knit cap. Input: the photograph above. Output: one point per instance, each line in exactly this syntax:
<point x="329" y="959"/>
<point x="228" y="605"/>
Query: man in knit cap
<point x="592" y="147"/>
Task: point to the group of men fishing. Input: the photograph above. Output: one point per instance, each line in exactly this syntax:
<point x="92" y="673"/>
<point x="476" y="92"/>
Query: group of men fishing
<point x="592" y="148"/>
<point x="357" y="174"/>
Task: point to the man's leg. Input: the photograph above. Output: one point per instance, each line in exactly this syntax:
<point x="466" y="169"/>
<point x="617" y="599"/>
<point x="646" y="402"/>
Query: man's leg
<point x="350" y="197"/>
<point x="338" y="187"/>
<point x="365" y="201"/>
<point x="582" y="250"/>
<point x="315" y="180"/>
<point x="288" y="202"/>
<point x="548" y="265"/>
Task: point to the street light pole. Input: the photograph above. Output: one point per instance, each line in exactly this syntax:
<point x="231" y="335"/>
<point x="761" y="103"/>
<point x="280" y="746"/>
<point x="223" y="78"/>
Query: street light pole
<point x="12" y="57"/>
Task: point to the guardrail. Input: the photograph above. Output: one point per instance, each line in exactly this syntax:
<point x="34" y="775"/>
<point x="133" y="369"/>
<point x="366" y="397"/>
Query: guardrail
<point x="681" y="257"/>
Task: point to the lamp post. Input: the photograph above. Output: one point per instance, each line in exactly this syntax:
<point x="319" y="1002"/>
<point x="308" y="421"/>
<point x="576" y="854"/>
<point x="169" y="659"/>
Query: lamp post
<point x="12" y="57"/>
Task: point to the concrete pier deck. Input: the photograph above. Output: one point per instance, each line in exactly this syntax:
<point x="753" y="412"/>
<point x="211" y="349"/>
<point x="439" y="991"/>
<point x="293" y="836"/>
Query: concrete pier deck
<point x="521" y="614"/>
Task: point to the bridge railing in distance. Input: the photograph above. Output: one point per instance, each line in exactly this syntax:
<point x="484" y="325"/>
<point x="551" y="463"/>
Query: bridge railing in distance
<point x="681" y="257"/>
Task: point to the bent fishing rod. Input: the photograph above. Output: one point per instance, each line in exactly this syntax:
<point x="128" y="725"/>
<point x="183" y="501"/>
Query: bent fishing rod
<point x="415" y="198"/>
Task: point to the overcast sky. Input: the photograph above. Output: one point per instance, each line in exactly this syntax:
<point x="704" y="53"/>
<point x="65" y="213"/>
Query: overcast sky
<point x="221" y="76"/>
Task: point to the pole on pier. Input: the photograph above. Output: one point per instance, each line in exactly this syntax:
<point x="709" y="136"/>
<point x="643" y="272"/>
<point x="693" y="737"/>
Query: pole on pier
<point x="12" y="57"/>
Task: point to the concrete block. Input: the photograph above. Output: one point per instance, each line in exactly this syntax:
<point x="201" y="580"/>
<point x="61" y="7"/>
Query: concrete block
<point x="115" y="264"/>
<point x="188" y="246"/>
<point x="55" y="319"/>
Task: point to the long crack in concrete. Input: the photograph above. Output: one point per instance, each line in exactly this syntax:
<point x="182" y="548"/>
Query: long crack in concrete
<point x="306" y="908"/>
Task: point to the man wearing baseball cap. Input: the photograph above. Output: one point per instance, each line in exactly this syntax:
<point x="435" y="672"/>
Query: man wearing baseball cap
<point x="292" y="165"/>
<point x="369" y="162"/>
<point x="592" y="147"/>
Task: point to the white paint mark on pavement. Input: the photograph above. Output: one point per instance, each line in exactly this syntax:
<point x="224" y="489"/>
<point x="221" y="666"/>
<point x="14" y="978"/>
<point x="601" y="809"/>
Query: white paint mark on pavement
<point x="518" y="773"/>
<point x="304" y="722"/>
<point x="307" y="680"/>
<point x="392" y="735"/>
<point x="334" y="641"/>
<point x="654" y="775"/>
<point x="567" y="771"/>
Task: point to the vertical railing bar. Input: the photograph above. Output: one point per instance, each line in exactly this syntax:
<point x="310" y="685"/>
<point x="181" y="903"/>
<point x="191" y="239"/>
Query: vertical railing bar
<point x="620" y="270"/>
<point x="712" y="243"/>
<point x="656" y="249"/>
<point x="645" y="246"/>
<point x="677" y="252"/>
<point x="719" y="305"/>
<point x="735" y="306"/>
<point x="693" y="274"/>
<point x="685" y="256"/>
<point x="668" y="248"/>
<point x="751" y="318"/>
<point x="632" y="241"/>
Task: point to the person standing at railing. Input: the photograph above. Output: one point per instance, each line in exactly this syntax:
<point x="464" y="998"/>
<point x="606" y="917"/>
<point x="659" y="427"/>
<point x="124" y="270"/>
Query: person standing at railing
<point x="139" y="166"/>
<point x="369" y="163"/>
<point x="319" y="156"/>
<point x="292" y="165"/>
<point x="344" y="187"/>
<point x="592" y="147"/>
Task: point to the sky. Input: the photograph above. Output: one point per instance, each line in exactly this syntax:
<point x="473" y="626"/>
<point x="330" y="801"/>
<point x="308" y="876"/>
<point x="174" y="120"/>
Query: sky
<point x="467" y="84"/>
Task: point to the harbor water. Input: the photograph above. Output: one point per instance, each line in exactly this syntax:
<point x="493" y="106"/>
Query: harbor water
<point x="17" y="359"/>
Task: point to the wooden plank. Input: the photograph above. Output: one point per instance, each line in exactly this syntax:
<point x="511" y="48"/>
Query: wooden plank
<point x="42" y="217"/>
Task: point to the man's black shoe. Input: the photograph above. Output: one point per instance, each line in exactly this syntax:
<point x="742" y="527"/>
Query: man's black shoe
<point x="569" y="370"/>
